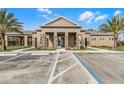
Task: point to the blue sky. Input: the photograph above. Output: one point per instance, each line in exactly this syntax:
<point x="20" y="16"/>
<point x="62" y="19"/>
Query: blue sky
<point x="88" y="18"/>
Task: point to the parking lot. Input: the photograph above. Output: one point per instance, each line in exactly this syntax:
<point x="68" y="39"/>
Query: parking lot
<point x="108" y="66"/>
<point x="27" y="68"/>
<point x="62" y="68"/>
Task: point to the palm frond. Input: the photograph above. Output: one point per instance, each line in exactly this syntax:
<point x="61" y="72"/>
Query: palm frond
<point x="9" y="23"/>
<point x="115" y="25"/>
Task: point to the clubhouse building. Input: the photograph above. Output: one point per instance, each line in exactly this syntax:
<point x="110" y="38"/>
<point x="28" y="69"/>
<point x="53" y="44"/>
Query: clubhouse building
<point x="60" y="33"/>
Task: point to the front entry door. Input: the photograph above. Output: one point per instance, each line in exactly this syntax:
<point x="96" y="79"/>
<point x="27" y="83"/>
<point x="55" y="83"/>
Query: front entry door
<point x="61" y="42"/>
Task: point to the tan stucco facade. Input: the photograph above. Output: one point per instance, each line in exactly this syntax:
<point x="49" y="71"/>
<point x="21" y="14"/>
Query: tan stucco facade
<point x="101" y="40"/>
<point x="61" y="32"/>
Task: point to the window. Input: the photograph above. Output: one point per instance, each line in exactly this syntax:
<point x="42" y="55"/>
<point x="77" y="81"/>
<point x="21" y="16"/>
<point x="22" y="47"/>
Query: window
<point x="94" y="38"/>
<point x="112" y="38"/>
<point x="103" y="38"/>
<point x="109" y="38"/>
<point x="100" y="38"/>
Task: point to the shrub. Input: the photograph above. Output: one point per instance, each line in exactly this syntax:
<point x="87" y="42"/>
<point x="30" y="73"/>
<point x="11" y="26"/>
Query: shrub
<point x="122" y="43"/>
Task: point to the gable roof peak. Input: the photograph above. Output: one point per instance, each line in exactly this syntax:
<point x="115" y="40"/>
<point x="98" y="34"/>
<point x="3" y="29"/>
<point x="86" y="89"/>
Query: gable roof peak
<point x="59" y="17"/>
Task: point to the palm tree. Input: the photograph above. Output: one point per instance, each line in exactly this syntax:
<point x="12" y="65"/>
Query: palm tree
<point x="8" y="23"/>
<point x="115" y="25"/>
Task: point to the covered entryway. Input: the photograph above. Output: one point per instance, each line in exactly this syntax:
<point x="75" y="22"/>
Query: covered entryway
<point x="65" y="34"/>
<point x="61" y="40"/>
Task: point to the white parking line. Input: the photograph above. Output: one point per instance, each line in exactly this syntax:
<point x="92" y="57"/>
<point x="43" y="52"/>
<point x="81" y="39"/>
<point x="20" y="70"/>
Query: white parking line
<point x="13" y="58"/>
<point x="8" y="54"/>
<point x="53" y="69"/>
<point x="61" y="73"/>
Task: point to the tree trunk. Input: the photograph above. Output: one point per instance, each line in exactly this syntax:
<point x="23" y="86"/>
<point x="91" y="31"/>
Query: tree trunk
<point x="3" y="42"/>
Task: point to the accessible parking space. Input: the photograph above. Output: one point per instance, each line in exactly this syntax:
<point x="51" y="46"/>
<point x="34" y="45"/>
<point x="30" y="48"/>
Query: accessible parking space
<point x="108" y="66"/>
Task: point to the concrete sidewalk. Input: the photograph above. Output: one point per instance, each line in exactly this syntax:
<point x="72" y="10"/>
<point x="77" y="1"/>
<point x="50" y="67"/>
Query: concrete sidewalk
<point x="19" y="50"/>
<point x="98" y="49"/>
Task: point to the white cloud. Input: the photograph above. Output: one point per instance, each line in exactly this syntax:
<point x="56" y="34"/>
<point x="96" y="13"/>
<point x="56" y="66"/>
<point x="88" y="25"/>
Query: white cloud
<point x="86" y="15"/>
<point x="45" y="10"/>
<point x="46" y="13"/>
<point x="101" y="17"/>
<point x="117" y="12"/>
<point x="91" y="17"/>
<point x="45" y="16"/>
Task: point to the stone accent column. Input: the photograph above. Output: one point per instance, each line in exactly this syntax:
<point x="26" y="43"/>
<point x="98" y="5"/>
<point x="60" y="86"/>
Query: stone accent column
<point x="25" y="41"/>
<point x="55" y="40"/>
<point x="6" y="40"/>
<point x="43" y="40"/>
<point x="77" y="41"/>
<point x="66" y="40"/>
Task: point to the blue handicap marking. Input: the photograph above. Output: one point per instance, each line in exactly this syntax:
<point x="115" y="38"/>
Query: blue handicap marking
<point x="90" y="70"/>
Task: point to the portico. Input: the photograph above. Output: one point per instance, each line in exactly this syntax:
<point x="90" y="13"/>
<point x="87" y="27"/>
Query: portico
<point x="61" y="40"/>
<point x="60" y="33"/>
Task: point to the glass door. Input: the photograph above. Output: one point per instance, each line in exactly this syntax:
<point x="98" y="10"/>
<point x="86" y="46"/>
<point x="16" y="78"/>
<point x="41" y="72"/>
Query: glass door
<point x="61" y="41"/>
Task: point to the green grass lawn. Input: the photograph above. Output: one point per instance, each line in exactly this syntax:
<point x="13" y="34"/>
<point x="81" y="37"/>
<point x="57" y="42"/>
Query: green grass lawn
<point x="51" y="49"/>
<point x="107" y="48"/>
<point x="10" y="48"/>
<point x="40" y="49"/>
<point x="85" y="49"/>
<point x="120" y="48"/>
